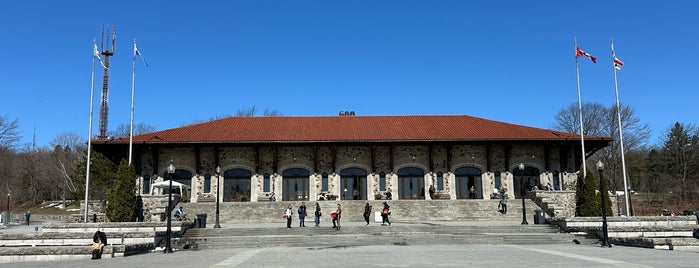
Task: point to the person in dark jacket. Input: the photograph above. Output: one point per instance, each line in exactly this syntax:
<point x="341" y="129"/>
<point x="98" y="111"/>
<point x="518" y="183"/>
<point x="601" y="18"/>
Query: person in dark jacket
<point x="99" y="240"/>
<point x="317" y="215"/>
<point x="385" y="212"/>
<point x="367" y="213"/>
<point x="302" y="214"/>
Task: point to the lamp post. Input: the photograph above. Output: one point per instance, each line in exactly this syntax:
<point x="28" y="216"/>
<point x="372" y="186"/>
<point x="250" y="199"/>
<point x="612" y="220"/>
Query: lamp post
<point x="8" y="202"/>
<point x="171" y="171"/>
<point x="345" y="193"/>
<point x="605" y="237"/>
<point x="218" y="185"/>
<point x="521" y="183"/>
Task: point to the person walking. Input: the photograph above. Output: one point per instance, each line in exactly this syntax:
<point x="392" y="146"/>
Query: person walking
<point x="336" y="219"/>
<point x="27" y="215"/>
<point x="302" y="215"/>
<point x="367" y="212"/>
<point x="288" y="214"/>
<point x="385" y="212"/>
<point x="317" y="215"/>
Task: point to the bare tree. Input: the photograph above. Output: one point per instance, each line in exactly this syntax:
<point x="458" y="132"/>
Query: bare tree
<point x="249" y="111"/>
<point x="599" y="120"/>
<point x="8" y="132"/>
<point x="123" y="130"/>
<point x="253" y="111"/>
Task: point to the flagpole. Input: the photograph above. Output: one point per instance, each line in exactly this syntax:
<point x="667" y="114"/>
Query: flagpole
<point x="89" y="132"/>
<point x="621" y="136"/>
<point x="133" y="83"/>
<point x="582" y="140"/>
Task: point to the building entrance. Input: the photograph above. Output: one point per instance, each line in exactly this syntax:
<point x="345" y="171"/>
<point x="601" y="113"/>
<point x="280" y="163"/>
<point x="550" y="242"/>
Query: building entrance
<point x="295" y="184"/>
<point x="468" y="183"/>
<point x="353" y="184"/>
<point x="411" y="183"/>
<point x="236" y="185"/>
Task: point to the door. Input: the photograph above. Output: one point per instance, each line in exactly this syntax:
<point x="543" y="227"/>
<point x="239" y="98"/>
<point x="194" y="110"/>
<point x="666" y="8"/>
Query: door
<point x="411" y="183"/>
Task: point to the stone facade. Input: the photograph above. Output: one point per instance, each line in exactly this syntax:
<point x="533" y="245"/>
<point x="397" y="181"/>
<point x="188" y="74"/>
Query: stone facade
<point x="266" y="164"/>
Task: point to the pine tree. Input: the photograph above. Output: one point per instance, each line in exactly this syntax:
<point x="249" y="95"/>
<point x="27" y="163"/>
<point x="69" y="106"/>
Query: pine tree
<point x="588" y="202"/>
<point x="121" y="200"/>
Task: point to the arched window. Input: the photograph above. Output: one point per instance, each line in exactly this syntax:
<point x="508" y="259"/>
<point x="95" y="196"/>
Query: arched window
<point x="529" y="178"/>
<point x="295" y="184"/>
<point x="146" y="184"/>
<point x="353" y="183"/>
<point x="411" y="183"/>
<point x="236" y="185"/>
<point x="324" y="182"/>
<point x="498" y="181"/>
<point x="266" y="183"/>
<point x="382" y="181"/>
<point x="468" y="183"/>
<point x="207" y="183"/>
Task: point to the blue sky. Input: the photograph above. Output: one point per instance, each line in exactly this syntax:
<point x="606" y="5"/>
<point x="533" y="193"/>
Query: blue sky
<point x="510" y="61"/>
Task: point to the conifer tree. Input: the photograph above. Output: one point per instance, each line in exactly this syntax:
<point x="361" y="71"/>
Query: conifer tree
<point x="121" y="200"/>
<point x="588" y="202"/>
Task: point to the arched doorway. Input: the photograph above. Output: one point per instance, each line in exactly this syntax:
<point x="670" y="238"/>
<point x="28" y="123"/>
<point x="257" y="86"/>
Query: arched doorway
<point x="236" y="185"/>
<point x="182" y="176"/>
<point x="411" y="183"/>
<point x="295" y="184"/>
<point x="530" y="177"/>
<point x="467" y="178"/>
<point x="354" y="180"/>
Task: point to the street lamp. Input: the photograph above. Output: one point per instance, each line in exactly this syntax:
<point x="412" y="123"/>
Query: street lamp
<point x="521" y="182"/>
<point x="602" y="194"/>
<point x="345" y="193"/>
<point x="171" y="172"/>
<point x="218" y="185"/>
<point x="8" y="202"/>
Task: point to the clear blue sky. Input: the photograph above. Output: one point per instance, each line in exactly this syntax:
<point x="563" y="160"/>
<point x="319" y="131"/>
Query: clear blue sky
<point x="510" y="61"/>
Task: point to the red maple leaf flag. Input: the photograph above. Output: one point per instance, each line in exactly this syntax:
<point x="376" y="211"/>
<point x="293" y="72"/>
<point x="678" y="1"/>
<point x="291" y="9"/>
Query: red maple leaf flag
<point x="579" y="52"/>
<point x="617" y="62"/>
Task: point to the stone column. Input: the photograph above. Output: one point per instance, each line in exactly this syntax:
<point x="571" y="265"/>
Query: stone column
<point x="276" y="186"/>
<point x="392" y="185"/>
<point x="197" y="188"/>
<point x="255" y="187"/>
<point x="314" y="184"/>
<point x="508" y="183"/>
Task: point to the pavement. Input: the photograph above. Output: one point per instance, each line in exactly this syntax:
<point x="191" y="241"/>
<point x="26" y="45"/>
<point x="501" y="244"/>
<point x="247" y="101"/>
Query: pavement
<point x="473" y="255"/>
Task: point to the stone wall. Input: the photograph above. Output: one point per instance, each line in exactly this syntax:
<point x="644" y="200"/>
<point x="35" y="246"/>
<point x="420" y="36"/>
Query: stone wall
<point x="331" y="160"/>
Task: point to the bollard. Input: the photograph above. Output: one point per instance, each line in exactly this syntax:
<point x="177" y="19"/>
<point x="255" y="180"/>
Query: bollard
<point x="94" y="217"/>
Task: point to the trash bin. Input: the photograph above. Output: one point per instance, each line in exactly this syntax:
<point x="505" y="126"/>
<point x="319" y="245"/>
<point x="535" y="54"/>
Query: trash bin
<point x="201" y="221"/>
<point x="539" y="216"/>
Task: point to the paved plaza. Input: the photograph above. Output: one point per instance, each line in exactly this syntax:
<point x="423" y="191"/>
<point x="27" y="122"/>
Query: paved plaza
<point x="472" y="255"/>
<point x="399" y="256"/>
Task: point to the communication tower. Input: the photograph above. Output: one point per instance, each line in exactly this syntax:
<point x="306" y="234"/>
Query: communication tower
<point x="106" y="52"/>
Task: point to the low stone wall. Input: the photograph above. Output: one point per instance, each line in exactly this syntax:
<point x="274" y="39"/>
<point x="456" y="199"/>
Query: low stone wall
<point x="658" y="232"/>
<point x="557" y="204"/>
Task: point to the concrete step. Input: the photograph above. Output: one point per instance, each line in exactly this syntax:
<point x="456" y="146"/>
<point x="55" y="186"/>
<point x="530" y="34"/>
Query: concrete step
<point x="396" y="234"/>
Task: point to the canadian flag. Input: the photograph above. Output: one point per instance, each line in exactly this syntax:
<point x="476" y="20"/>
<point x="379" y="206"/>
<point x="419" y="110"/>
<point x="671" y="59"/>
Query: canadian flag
<point x="579" y="52"/>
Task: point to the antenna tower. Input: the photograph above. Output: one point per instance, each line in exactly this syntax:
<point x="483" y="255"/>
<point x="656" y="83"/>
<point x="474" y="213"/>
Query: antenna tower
<point x="106" y="52"/>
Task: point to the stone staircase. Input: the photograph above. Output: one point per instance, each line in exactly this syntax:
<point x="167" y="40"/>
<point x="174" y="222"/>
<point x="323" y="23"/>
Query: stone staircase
<point x="352" y="210"/>
<point x="72" y="241"/>
<point x="416" y="222"/>
<point x="399" y="233"/>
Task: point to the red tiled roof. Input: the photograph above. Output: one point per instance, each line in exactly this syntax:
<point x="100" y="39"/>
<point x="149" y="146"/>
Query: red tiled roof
<point x="256" y="129"/>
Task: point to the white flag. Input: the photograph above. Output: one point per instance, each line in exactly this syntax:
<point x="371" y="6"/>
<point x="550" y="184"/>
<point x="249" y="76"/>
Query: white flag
<point x="96" y="53"/>
<point x="138" y="53"/>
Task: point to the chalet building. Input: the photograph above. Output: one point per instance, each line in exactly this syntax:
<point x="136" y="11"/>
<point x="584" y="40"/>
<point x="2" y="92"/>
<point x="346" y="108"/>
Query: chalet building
<point x="295" y="158"/>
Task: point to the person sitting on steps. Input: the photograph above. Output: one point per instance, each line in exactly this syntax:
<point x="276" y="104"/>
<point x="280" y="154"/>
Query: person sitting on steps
<point x="180" y="215"/>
